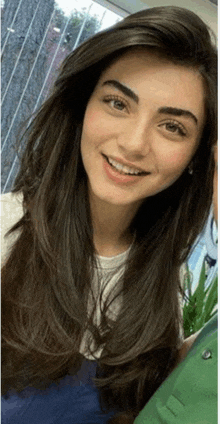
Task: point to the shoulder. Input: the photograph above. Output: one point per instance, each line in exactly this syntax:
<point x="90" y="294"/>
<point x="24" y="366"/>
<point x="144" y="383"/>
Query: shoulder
<point x="11" y="212"/>
<point x="189" y="394"/>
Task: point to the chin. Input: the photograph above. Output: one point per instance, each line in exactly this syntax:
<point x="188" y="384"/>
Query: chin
<point x="117" y="199"/>
<point x="114" y="200"/>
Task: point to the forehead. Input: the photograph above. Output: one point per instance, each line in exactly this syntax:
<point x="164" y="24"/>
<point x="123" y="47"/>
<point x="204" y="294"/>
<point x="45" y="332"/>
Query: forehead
<point x="144" y="56"/>
<point x="155" y="78"/>
<point x="145" y="63"/>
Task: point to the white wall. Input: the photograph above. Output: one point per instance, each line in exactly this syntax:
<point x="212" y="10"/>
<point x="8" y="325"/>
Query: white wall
<point x="205" y="9"/>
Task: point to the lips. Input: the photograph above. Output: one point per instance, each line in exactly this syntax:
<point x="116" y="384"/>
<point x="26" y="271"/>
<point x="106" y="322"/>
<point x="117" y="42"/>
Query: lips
<point x="124" y="168"/>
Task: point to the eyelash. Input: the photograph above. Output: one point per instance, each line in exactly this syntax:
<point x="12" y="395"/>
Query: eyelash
<point x="178" y="126"/>
<point x="110" y="97"/>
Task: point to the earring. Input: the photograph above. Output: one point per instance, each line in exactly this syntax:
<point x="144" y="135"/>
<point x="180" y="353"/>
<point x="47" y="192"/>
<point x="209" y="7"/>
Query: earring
<point x="190" y="169"/>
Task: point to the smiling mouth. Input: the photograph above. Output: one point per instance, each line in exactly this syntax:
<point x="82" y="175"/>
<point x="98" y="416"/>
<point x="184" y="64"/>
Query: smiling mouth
<point x="123" y="169"/>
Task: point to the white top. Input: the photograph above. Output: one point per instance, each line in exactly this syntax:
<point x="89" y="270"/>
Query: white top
<point x="11" y="212"/>
<point x="105" y="284"/>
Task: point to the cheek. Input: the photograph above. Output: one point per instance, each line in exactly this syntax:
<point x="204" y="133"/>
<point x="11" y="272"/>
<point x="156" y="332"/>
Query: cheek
<point x="95" y="129"/>
<point x="88" y="138"/>
<point x="90" y="123"/>
<point x="175" y="161"/>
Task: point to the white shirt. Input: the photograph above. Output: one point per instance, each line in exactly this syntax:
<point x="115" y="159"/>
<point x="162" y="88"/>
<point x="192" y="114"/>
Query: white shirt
<point x="11" y="212"/>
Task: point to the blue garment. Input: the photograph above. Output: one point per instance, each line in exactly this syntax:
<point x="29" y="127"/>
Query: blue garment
<point x="75" y="400"/>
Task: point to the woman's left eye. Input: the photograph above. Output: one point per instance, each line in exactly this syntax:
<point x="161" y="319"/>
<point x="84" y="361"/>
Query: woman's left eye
<point x="175" y="128"/>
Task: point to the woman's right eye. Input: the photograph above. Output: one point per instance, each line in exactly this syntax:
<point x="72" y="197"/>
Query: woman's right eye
<point x="115" y="102"/>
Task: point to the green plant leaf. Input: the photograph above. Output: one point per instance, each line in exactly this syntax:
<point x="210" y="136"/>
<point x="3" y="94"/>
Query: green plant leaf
<point x="198" y="308"/>
<point x="211" y="299"/>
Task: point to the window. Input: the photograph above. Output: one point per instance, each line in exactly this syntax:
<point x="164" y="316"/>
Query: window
<point x="36" y="37"/>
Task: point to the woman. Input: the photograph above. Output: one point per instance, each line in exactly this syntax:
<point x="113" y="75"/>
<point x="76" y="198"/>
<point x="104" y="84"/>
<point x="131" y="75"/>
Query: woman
<point x="116" y="180"/>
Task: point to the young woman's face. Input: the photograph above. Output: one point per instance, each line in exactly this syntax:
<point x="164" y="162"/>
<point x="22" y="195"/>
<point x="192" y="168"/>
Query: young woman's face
<point x="141" y="128"/>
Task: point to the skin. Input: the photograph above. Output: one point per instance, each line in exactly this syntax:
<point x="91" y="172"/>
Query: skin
<point x="139" y="134"/>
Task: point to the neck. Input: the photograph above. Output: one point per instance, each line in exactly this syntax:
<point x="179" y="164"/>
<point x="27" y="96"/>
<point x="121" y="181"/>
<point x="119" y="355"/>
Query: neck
<point x="111" y="224"/>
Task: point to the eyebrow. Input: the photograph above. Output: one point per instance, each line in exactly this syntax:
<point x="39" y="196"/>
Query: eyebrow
<point x="123" y="88"/>
<point x="178" y="112"/>
<point x="163" y="110"/>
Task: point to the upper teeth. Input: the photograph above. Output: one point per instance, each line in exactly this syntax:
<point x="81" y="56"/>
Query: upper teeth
<point x="123" y="168"/>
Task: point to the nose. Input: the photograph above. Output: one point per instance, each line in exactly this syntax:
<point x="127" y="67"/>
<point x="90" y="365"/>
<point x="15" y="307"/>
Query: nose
<point x="134" y="142"/>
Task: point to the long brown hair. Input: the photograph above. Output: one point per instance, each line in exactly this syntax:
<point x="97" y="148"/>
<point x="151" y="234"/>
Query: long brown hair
<point x="47" y="277"/>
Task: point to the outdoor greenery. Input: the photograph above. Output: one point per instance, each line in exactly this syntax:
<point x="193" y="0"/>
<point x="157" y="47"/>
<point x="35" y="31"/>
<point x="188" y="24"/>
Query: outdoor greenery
<point x="73" y="23"/>
<point x="36" y="36"/>
<point x="199" y="306"/>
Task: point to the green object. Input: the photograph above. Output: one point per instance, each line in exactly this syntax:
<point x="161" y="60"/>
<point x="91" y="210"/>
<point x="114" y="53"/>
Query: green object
<point x="199" y="307"/>
<point x="189" y="394"/>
